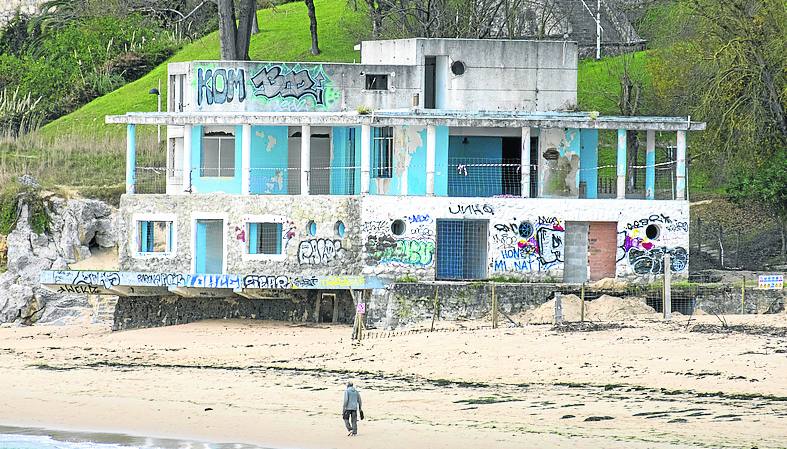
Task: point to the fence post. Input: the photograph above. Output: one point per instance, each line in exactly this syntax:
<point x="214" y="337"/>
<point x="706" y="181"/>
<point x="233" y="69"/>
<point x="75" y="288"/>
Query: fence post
<point x="558" y="309"/>
<point x="721" y="246"/>
<point x="494" y="308"/>
<point x="743" y="296"/>
<point x="582" y="309"/>
<point x="699" y="235"/>
<point x="667" y="287"/>
<point x="435" y="307"/>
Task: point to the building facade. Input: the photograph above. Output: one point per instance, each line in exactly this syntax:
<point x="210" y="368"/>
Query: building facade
<point x="431" y="160"/>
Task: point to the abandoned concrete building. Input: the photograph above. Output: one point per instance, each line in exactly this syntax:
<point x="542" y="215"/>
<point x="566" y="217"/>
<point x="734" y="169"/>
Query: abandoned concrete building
<point x="431" y="160"/>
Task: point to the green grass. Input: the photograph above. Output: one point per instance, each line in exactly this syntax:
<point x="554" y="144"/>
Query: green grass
<point x="284" y="36"/>
<point x="598" y="82"/>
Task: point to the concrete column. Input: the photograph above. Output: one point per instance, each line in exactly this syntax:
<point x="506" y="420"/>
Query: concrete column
<point x="621" y="164"/>
<point x="431" y="144"/>
<point x="131" y="158"/>
<point x="650" y="166"/>
<point x="525" y="190"/>
<point x="245" y="160"/>
<point x="680" y="168"/>
<point x="187" y="130"/>
<point x="366" y="157"/>
<point x="306" y="151"/>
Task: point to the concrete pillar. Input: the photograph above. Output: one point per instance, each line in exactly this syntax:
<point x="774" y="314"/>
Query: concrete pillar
<point x="306" y="151"/>
<point x="366" y="157"/>
<point x="621" y="164"/>
<point x="525" y="163"/>
<point x="245" y="160"/>
<point x="431" y="144"/>
<point x="187" y="131"/>
<point x="650" y="166"/>
<point x="131" y="158"/>
<point x="680" y="168"/>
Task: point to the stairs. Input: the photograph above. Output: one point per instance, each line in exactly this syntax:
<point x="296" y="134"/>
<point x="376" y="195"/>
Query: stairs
<point x="104" y="309"/>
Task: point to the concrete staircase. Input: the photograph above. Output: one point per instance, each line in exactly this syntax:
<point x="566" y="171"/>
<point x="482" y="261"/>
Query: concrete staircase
<point x="104" y="309"/>
<point x="618" y="33"/>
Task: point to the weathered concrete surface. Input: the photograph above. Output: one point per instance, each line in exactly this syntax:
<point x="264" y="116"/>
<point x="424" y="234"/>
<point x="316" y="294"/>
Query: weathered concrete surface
<point x="727" y="300"/>
<point x="526" y="237"/>
<point x="76" y="226"/>
<point x="293" y="306"/>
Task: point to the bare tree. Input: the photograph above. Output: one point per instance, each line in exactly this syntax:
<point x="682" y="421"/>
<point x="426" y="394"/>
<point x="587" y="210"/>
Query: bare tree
<point x="234" y="39"/>
<point x="313" y="26"/>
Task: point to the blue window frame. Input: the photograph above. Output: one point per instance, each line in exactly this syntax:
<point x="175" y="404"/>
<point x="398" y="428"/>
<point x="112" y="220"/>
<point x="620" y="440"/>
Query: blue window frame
<point x="265" y="238"/>
<point x="154" y="236"/>
<point x="382" y="152"/>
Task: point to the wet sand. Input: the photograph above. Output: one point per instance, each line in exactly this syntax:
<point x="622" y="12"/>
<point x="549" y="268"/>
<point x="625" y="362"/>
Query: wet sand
<point x="639" y="384"/>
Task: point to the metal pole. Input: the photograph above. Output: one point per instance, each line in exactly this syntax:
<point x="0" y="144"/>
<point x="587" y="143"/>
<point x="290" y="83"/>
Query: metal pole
<point x="582" y="310"/>
<point x="435" y="306"/>
<point x="159" y="108"/>
<point x="743" y="296"/>
<point x="598" y="29"/>
<point x="667" y="288"/>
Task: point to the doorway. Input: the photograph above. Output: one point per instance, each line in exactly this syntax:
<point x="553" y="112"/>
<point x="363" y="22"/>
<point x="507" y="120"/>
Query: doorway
<point x="602" y="249"/>
<point x="511" y="171"/>
<point x="209" y="247"/>
<point x="430" y="72"/>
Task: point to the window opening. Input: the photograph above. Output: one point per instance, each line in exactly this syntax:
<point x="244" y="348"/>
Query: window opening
<point x="382" y="152"/>
<point x="218" y="155"/>
<point x="376" y="82"/>
<point x="154" y="236"/>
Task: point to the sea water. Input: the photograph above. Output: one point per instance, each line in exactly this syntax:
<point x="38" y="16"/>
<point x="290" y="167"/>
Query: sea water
<point x="28" y="438"/>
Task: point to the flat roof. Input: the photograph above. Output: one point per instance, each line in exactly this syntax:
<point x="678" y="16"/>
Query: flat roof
<point x="481" y="119"/>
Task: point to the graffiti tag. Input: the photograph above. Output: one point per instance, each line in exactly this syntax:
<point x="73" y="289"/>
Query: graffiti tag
<point x="220" y="85"/>
<point x="319" y="251"/>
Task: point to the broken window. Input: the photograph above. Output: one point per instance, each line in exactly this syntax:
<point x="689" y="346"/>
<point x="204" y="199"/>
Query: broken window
<point x="154" y="236"/>
<point x="376" y="82"/>
<point x="218" y="155"/>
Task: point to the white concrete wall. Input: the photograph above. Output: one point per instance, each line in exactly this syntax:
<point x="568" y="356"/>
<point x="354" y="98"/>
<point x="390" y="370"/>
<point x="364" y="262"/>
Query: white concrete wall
<point x="499" y="75"/>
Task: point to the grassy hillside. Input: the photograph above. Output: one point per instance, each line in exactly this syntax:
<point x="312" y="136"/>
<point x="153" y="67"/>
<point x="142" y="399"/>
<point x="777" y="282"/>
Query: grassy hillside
<point x="284" y="36"/>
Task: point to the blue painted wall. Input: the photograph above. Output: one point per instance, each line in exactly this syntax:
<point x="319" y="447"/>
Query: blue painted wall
<point x="441" y="161"/>
<point x="416" y="172"/>
<point x="588" y="161"/>
<point x="209" y="247"/>
<point x="269" y="160"/>
<point x="214" y="184"/>
<point x="480" y="181"/>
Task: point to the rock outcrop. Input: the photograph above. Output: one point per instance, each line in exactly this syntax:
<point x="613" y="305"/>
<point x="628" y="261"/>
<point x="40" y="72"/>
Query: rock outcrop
<point x="79" y="227"/>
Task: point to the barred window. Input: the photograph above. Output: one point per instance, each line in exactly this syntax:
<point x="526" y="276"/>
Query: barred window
<point x="264" y="238"/>
<point x="382" y="152"/>
<point x="154" y="236"/>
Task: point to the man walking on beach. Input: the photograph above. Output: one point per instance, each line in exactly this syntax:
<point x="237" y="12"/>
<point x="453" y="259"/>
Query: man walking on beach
<point x="351" y="408"/>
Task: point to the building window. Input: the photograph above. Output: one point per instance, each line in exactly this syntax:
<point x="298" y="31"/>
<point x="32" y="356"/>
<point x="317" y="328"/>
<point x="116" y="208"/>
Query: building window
<point x="154" y="236"/>
<point x="376" y="82"/>
<point x="218" y="155"/>
<point x="382" y="152"/>
<point x="265" y="238"/>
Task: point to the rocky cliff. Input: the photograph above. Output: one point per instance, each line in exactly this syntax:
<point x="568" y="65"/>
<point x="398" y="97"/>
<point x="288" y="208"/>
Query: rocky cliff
<point x="79" y="230"/>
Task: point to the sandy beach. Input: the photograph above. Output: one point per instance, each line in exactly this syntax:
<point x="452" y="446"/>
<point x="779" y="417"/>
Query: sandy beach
<point x="638" y="384"/>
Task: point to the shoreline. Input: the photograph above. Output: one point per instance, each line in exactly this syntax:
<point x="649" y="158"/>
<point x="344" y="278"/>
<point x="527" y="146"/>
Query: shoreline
<point x="649" y="385"/>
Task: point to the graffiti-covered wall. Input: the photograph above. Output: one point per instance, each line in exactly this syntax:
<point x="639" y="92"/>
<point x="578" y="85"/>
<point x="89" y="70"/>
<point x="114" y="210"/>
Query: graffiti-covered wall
<point x="231" y="86"/>
<point x="396" y="237"/>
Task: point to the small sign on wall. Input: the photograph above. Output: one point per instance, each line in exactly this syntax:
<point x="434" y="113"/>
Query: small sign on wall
<point x="770" y="282"/>
<point x="360" y="308"/>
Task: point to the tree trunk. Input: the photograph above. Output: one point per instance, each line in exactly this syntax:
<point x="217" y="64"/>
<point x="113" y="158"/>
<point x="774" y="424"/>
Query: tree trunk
<point x="313" y="26"/>
<point x="247" y="12"/>
<point x="227" y="30"/>
<point x="255" y="26"/>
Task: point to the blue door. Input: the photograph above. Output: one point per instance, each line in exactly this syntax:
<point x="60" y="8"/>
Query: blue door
<point x="209" y="248"/>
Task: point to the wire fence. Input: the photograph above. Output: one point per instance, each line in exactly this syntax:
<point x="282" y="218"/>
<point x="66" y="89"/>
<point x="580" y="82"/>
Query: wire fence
<point x="466" y="177"/>
<point x="720" y="246"/>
